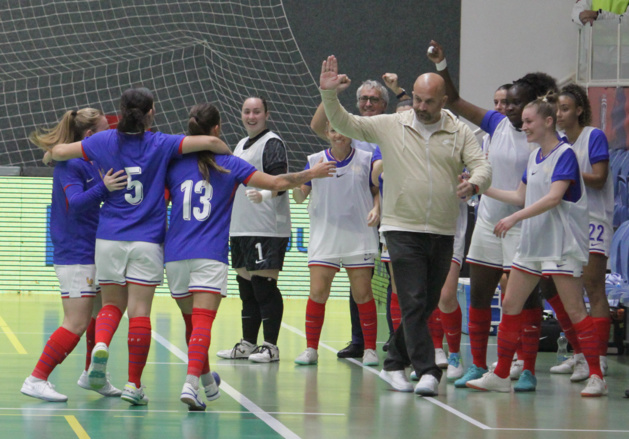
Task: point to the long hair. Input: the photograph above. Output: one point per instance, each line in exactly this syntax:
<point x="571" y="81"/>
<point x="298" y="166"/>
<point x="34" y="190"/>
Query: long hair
<point x="135" y="106"/>
<point x="71" y="128"/>
<point x="546" y="105"/>
<point x="580" y="98"/>
<point x="202" y="119"/>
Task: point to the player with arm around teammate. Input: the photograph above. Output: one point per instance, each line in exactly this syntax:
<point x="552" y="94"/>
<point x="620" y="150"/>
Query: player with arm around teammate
<point x="132" y="224"/>
<point x="201" y="187"/>
<point x="77" y="192"/>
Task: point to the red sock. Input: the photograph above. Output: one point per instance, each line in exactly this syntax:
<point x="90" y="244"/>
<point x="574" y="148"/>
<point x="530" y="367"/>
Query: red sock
<point x="508" y="337"/>
<point x="315" y="313"/>
<point x="451" y="323"/>
<point x="590" y="344"/>
<point x="565" y="322"/>
<point x="369" y="322"/>
<point x="602" y="325"/>
<point x="396" y="313"/>
<point x="139" y="343"/>
<point x="200" y="339"/>
<point x="529" y="337"/>
<point x="187" y="318"/>
<point x="435" y="327"/>
<point x="479" y="326"/>
<point x="89" y="342"/>
<point x="57" y="348"/>
<point x="106" y="324"/>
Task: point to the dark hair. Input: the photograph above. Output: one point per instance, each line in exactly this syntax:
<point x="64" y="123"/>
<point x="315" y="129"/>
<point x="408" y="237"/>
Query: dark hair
<point x="505" y="87"/>
<point x="546" y="105"/>
<point x="536" y="84"/>
<point x="404" y="103"/>
<point x="580" y="98"/>
<point x="202" y="119"/>
<point x="135" y="105"/>
<point x="266" y="107"/>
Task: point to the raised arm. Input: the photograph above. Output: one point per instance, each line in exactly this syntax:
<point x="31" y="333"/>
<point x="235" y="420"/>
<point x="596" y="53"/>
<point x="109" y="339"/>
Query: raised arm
<point x="204" y="143"/>
<point x="455" y="103"/>
<point x="286" y="181"/>
<point x="319" y="120"/>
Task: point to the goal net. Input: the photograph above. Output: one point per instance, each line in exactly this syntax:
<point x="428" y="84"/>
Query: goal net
<point x="69" y="54"/>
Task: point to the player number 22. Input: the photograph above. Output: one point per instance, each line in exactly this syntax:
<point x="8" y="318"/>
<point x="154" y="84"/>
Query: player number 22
<point x="202" y="188"/>
<point x="593" y="229"/>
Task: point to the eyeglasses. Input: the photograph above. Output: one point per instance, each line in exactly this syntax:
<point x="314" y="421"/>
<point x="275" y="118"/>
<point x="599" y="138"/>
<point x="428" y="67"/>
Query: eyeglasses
<point x="372" y="99"/>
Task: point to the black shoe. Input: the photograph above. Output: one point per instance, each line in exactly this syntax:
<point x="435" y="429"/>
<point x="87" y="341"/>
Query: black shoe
<point x="351" y="351"/>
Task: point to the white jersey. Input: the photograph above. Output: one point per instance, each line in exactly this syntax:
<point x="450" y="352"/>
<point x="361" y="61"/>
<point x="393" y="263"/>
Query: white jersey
<point x="338" y="210"/>
<point x="600" y="201"/>
<point x="269" y="218"/>
<point x="364" y="146"/>
<point x="561" y="231"/>
<point x="508" y="153"/>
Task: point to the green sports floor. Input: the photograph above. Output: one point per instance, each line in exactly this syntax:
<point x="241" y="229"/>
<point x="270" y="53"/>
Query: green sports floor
<point x="336" y="399"/>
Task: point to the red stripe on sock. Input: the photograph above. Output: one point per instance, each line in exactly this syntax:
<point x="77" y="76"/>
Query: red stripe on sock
<point x="435" y="327"/>
<point x="602" y="325"/>
<point x="315" y="314"/>
<point x="107" y="323"/>
<point x="90" y="337"/>
<point x="565" y="322"/>
<point x="479" y="326"/>
<point x="57" y="348"/>
<point x="590" y="344"/>
<point x="369" y="322"/>
<point x="139" y="342"/>
<point x="451" y="323"/>
<point x="508" y="337"/>
<point x="529" y="337"/>
<point x="200" y="339"/>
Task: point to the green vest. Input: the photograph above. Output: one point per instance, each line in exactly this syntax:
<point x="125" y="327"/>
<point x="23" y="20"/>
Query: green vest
<point x="616" y="6"/>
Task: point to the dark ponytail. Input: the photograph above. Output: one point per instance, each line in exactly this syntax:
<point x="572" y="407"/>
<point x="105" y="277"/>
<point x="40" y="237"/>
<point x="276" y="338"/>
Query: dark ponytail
<point x="135" y="107"/>
<point x="203" y="118"/>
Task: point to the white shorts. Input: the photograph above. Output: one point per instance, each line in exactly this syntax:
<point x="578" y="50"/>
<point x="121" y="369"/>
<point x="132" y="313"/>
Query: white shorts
<point x="348" y="262"/>
<point x="600" y="237"/>
<point x="567" y="267"/>
<point x="489" y="250"/>
<point x="77" y="281"/>
<point x="134" y="262"/>
<point x="196" y="276"/>
<point x="384" y="253"/>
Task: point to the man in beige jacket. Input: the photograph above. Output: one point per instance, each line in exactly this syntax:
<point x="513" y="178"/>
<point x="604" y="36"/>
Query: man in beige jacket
<point x="424" y="151"/>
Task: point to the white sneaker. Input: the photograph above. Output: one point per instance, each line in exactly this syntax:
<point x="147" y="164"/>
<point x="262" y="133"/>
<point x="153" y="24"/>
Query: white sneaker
<point x="97" y="372"/>
<point x="397" y="379"/>
<point x="428" y="385"/>
<point x="517" y="366"/>
<point x="307" y="357"/>
<point x="41" y="389"/>
<point x="370" y="358"/>
<point x="211" y="389"/>
<point x="490" y="382"/>
<point x="566" y="366"/>
<point x="455" y="367"/>
<point x="581" y="369"/>
<point x="265" y="354"/>
<point x="440" y="359"/>
<point x="596" y="386"/>
<point x="604" y="366"/>
<point x="107" y="390"/>
<point x="134" y="395"/>
<point x="190" y="396"/>
<point x="241" y="350"/>
<point x="414" y="376"/>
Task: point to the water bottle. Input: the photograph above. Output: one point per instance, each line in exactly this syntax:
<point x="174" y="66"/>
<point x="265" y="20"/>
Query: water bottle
<point x="562" y="348"/>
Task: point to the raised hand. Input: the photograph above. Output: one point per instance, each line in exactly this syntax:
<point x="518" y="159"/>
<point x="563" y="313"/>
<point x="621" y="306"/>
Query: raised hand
<point x="435" y="52"/>
<point x="345" y="83"/>
<point x="115" y="181"/>
<point x="330" y="78"/>
<point x="390" y="80"/>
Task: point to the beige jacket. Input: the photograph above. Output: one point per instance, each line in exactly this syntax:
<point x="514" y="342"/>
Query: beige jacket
<point x="421" y="177"/>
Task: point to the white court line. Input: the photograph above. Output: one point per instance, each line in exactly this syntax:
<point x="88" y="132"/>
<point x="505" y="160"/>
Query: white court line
<point x="376" y="372"/>
<point x="147" y="411"/>
<point x="265" y="417"/>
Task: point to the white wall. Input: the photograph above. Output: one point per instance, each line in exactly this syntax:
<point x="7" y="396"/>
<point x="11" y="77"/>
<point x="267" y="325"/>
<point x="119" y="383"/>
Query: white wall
<point x="502" y="40"/>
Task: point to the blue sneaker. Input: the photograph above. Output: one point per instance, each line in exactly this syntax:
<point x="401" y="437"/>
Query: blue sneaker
<point x="473" y="373"/>
<point x="455" y="367"/>
<point x="526" y="383"/>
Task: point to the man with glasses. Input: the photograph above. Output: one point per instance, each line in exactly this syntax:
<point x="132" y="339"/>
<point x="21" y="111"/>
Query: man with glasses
<point x="372" y="99"/>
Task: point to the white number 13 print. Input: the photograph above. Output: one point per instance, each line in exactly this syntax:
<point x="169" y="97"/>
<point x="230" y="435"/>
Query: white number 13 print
<point x="202" y="188"/>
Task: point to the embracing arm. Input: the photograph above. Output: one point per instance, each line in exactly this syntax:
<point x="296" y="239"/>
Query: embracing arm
<point x="515" y="198"/>
<point x="204" y="143"/>
<point x="286" y="181"/>
<point x="66" y="151"/>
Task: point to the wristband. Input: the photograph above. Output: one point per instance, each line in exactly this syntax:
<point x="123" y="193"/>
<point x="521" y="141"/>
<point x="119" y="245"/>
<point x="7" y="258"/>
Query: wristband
<point x="441" y="65"/>
<point x="266" y="195"/>
<point x="402" y="93"/>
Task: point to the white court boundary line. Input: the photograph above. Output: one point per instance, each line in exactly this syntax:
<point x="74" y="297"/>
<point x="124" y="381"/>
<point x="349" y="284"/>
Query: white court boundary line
<point x="376" y="372"/>
<point x="265" y="417"/>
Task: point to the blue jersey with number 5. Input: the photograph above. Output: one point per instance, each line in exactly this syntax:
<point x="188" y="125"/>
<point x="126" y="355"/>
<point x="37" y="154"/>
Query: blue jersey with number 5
<point x="137" y="213"/>
<point x="201" y="210"/>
